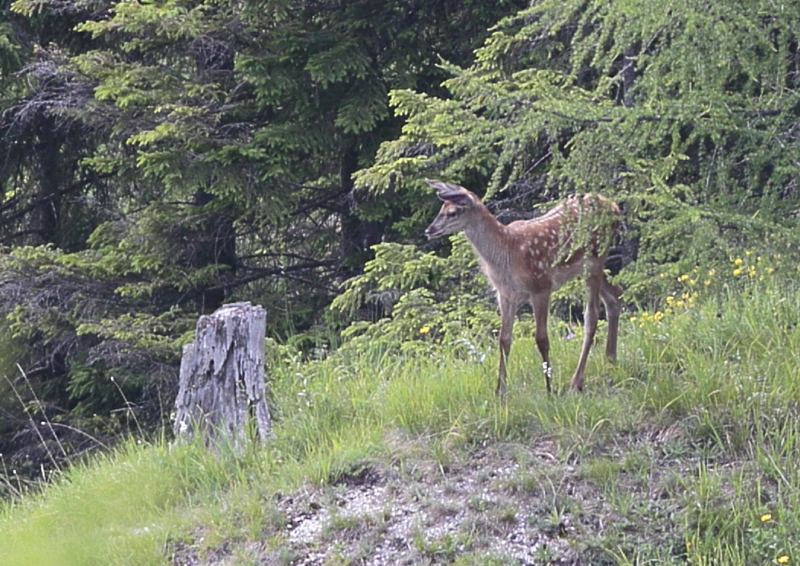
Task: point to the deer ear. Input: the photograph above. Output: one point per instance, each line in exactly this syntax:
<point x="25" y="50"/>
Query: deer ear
<point x="449" y="192"/>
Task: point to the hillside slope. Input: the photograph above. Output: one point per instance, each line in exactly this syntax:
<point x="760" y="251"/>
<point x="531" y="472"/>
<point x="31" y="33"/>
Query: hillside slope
<point x="685" y="452"/>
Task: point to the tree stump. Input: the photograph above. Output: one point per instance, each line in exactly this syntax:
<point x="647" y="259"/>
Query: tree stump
<point x="221" y="385"/>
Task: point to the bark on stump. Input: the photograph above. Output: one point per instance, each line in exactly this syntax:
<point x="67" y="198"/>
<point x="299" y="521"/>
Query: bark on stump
<point x="221" y="385"/>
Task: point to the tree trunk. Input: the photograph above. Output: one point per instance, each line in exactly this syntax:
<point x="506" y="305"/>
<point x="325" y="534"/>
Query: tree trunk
<point x="214" y="244"/>
<point x="628" y="75"/>
<point x="357" y="235"/>
<point x="46" y="221"/>
<point x="221" y="387"/>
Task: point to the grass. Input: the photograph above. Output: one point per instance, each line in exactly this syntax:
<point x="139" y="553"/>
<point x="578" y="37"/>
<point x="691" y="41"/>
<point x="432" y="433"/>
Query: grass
<point x="685" y="452"/>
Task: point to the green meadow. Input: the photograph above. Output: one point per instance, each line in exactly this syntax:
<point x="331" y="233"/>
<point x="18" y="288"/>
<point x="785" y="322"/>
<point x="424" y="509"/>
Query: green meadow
<point x="684" y="452"/>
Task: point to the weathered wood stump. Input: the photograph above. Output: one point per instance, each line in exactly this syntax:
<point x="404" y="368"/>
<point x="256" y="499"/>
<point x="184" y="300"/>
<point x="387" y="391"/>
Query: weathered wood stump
<point x="221" y="385"/>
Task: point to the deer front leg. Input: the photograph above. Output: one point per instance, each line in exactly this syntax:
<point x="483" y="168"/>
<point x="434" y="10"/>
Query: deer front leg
<point x="590" y="317"/>
<point x="541" y="309"/>
<point x="507" y="311"/>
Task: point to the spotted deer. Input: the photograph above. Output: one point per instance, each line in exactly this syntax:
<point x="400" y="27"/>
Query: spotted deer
<point x="527" y="260"/>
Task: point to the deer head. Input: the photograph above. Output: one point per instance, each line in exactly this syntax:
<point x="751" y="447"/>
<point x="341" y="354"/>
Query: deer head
<point x="459" y="206"/>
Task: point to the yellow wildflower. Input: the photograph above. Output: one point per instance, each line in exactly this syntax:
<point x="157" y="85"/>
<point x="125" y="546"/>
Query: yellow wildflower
<point x="707" y="282"/>
<point x="658" y="315"/>
<point x="766" y="517"/>
<point x="751" y="271"/>
<point x="679" y="303"/>
<point x="737" y="261"/>
<point x="425" y="329"/>
<point x="683" y="277"/>
<point x="770" y="270"/>
<point x="782" y="559"/>
<point x="748" y="252"/>
<point x="712" y="272"/>
<point x="737" y="271"/>
<point x="670" y="299"/>
<point x="633" y="319"/>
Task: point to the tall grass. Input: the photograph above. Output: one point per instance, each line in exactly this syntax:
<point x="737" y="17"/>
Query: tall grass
<point x="703" y="406"/>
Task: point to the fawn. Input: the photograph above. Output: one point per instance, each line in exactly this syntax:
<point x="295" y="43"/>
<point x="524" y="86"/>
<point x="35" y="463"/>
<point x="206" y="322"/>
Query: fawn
<point x="527" y="260"/>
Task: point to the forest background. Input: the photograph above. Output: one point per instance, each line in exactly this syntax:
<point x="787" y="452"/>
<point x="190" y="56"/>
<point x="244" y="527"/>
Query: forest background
<point x="161" y="158"/>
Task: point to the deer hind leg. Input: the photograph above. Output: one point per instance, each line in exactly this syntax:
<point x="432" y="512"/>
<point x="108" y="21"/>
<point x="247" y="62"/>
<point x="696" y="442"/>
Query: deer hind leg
<point x="541" y="308"/>
<point x="507" y="311"/>
<point x="610" y="294"/>
<point x="590" y="316"/>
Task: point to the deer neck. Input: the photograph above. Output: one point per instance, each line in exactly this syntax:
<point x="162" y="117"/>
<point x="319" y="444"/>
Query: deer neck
<point x="489" y="239"/>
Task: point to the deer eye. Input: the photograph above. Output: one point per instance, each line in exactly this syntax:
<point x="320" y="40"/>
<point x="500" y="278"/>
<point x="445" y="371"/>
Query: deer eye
<point x="450" y="212"/>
